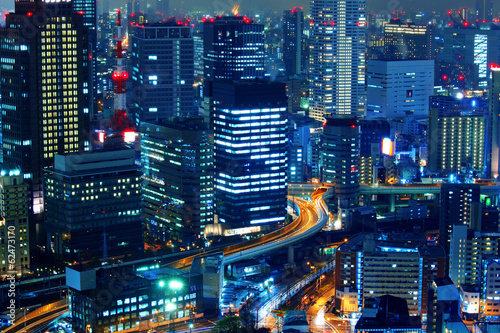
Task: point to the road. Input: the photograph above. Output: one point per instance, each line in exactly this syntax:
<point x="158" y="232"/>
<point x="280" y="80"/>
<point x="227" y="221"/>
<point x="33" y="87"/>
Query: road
<point x="313" y="217"/>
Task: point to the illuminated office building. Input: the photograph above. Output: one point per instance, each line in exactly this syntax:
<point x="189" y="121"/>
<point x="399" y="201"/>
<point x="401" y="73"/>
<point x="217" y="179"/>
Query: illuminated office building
<point x="492" y="131"/>
<point x="45" y="82"/>
<point x="398" y="88"/>
<point x="341" y="159"/>
<point x="484" y="10"/>
<point x="337" y="58"/>
<point x="459" y="202"/>
<point x="473" y="46"/>
<point x="457" y="142"/>
<point x="294" y="53"/>
<point x="250" y="126"/>
<point x="408" y="41"/>
<point x="177" y="160"/>
<point x="162" y="71"/>
<point x="93" y="205"/>
<point x="14" y="212"/>
<point x="233" y="49"/>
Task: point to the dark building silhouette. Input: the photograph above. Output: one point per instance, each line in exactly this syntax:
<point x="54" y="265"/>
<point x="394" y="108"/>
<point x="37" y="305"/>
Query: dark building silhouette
<point x="294" y="51"/>
<point x="233" y="49"/>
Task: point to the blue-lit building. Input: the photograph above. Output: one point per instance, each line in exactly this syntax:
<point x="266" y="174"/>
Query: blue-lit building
<point x="294" y="52"/>
<point x="162" y="71"/>
<point x="177" y="159"/>
<point x="341" y="160"/>
<point x="473" y="46"/>
<point x="250" y="127"/>
<point x="233" y="49"/>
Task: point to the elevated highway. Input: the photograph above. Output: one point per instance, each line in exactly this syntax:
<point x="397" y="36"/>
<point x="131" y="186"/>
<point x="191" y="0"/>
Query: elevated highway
<point x="312" y="218"/>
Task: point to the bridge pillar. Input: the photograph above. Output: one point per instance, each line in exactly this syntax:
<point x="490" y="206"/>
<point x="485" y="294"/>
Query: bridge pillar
<point x="291" y="256"/>
<point x="392" y="202"/>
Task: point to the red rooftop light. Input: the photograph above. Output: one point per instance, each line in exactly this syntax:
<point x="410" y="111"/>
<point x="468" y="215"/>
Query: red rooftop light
<point x="494" y="66"/>
<point x="204" y="19"/>
<point x="466" y="24"/>
<point x="449" y="12"/>
<point x="30" y="14"/>
<point x="445" y="77"/>
<point x="460" y="77"/>
<point x="212" y="20"/>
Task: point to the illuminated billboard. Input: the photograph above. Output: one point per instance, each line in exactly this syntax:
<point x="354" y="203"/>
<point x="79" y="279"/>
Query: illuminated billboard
<point x="387" y="147"/>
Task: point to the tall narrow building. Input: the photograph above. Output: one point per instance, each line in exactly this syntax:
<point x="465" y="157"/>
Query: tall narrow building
<point x="492" y="141"/>
<point x="294" y="55"/>
<point x="45" y="85"/>
<point x="162" y="72"/>
<point x="337" y="58"/>
<point x="251" y="144"/>
<point x="341" y="158"/>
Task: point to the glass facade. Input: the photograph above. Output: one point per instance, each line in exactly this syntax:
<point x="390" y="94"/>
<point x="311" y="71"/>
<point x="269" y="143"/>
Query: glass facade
<point x="251" y="158"/>
<point x="177" y="160"/>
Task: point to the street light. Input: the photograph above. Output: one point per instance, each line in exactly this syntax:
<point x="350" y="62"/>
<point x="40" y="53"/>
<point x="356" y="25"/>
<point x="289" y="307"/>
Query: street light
<point x="170" y="308"/>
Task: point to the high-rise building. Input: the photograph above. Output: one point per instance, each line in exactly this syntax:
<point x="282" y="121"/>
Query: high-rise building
<point x="399" y="88"/>
<point x="493" y="129"/>
<point x="341" y="160"/>
<point x="467" y="248"/>
<point x="484" y="10"/>
<point x="250" y="126"/>
<point x="45" y="88"/>
<point x="93" y="205"/>
<point x="88" y="9"/>
<point x="474" y="46"/>
<point x="162" y="71"/>
<point x="456" y="143"/>
<point x="294" y="55"/>
<point x="177" y="160"/>
<point x="233" y="49"/>
<point x="408" y="41"/>
<point x="444" y="301"/>
<point x="399" y="266"/>
<point x="372" y="132"/>
<point x="457" y="201"/>
<point x="14" y="227"/>
<point x="337" y="58"/>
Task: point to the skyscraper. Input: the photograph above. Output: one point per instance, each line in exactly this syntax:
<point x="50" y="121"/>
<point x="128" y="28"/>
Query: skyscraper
<point x="474" y="46"/>
<point x="233" y="49"/>
<point x="250" y="126"/>
<point x="456" y="208"/>
<point x="337" y="58"/>
<point x="493" y="131"/>
<point x="408" y="41"/>
<point x="93" y="205"/>
<point x="294" y="55"/>
<point x="14" y="228"/>
<point x="456" y="143"/>
<point x="162" y="71"/>
<point x="45" y="88"/>
<point x="484" y="9"/>
<point x="341" y="161"/>
<point x="177" y="159"/>
<point x="398" y="88"/>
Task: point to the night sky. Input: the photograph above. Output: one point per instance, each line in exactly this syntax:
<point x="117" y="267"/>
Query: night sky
<point x="250" y="7"/>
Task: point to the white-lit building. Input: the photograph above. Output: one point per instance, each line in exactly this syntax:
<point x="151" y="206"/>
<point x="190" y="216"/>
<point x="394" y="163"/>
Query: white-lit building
<point x="399" y="88"/>
<point x="251" y="153"/>
<point x="337" y="58"/>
